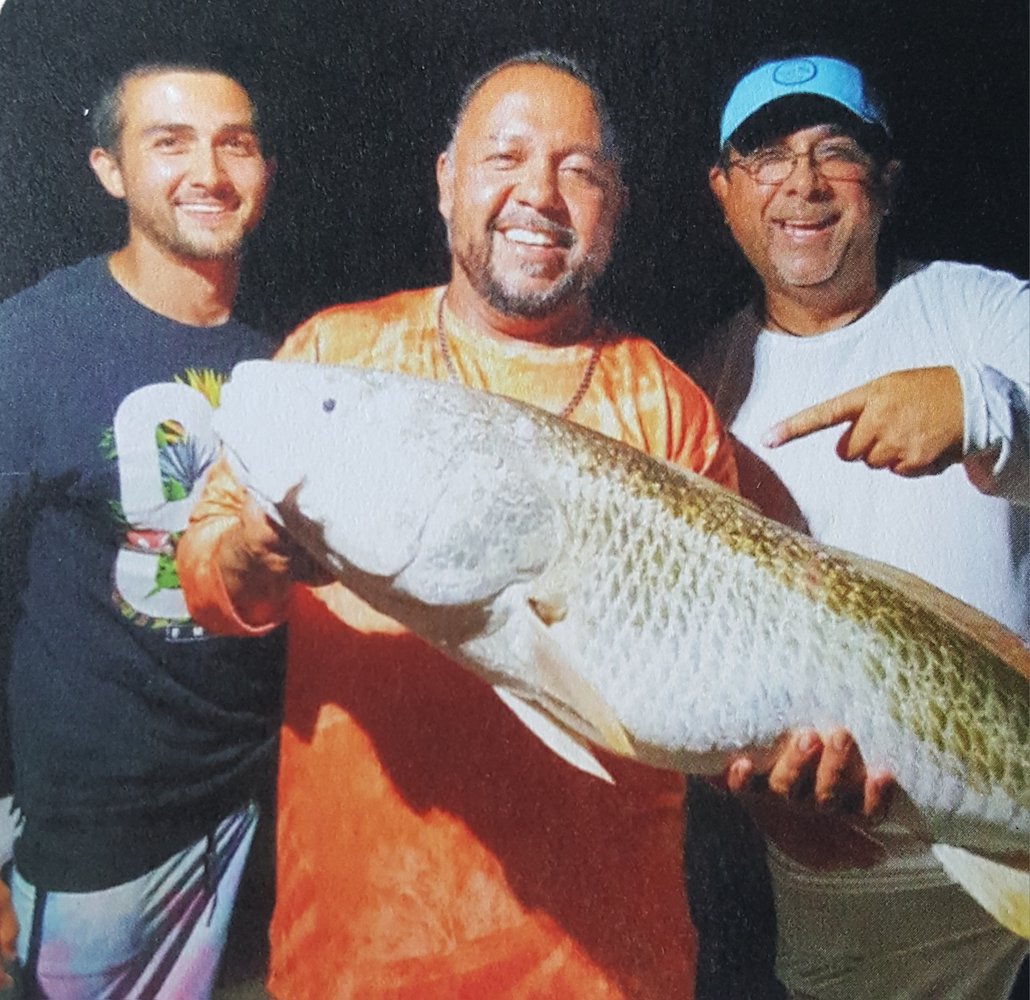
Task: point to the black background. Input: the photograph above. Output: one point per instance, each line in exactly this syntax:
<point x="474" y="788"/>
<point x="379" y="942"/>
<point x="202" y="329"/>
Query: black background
<point x="360" y="94"/>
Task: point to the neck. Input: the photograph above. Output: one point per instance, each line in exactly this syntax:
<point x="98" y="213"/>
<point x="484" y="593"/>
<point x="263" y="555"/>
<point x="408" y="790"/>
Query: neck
<point x="194" y="292"/>
<point x="807" y="312"/>
<point x="565" y="326"/>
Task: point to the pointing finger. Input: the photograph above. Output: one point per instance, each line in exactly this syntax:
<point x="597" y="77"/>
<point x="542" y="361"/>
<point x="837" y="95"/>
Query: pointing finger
<point x="828" y="413"/>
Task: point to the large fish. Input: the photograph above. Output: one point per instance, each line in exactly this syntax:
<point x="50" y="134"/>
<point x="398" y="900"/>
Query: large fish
<point x="614" y="600"/>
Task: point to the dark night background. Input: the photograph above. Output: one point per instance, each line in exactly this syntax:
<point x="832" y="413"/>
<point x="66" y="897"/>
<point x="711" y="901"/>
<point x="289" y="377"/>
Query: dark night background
<point x="360" y="94"/>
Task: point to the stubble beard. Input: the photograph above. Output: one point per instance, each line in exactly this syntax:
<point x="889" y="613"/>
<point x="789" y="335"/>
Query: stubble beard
<point x="172" y="237"/>
<point x="477" y="264"/>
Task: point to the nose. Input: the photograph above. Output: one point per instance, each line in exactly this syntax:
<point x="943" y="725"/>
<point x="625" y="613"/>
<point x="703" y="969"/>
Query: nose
<point x="205" y="166"/>
<point x="538" y="186"/>
<point x="805" y="179"/>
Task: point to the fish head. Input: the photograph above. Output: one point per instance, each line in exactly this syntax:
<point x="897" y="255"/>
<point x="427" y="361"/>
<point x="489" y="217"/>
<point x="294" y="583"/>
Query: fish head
<point x="334" y="449"/>
<point x="388" y="476"/>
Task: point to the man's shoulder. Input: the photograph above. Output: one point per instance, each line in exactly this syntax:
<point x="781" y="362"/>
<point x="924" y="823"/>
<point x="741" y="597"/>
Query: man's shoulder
<point x="638" y="361"/>
<point x="953" y="274"/>
<point x="400" y="306"/>
<point x="342" y="334"/>
<point x="56" y="288"/>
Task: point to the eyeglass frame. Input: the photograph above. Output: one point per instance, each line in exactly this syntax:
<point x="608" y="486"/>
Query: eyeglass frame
<point x="868" y="165"/>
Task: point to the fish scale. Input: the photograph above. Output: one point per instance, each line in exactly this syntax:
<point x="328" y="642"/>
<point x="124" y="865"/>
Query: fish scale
<point x="638" y="606"/>
<point x="894" y="648"/>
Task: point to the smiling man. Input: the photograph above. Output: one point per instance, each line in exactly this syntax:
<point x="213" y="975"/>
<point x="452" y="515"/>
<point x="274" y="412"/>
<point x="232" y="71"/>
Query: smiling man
<point x="886" y="413"/>
<point x="429" y="845"/>
<point x="138" y="740"/>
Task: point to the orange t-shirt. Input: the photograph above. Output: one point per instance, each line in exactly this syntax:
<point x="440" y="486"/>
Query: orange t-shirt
<point x="430" y="847"/>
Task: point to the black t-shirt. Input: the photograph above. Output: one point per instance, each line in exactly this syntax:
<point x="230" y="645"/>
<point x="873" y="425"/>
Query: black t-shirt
<point x="131" y="730"/>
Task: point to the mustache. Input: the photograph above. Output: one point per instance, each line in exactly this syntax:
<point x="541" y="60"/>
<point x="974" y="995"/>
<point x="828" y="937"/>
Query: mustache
<point x="562" y="235"/>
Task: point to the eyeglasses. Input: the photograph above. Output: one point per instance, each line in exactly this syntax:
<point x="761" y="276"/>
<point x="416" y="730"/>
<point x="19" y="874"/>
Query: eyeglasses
<point x="834" y="161"/>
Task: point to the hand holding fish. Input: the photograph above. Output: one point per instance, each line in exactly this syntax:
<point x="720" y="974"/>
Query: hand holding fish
<point x="816" y="799"/>
<point x="910" y="422"/>
<point x="827" y="773"/>
<point x="259" y="562"/>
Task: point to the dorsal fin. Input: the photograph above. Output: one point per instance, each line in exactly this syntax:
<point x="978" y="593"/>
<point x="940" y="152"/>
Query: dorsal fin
<point x="981" y="628"/>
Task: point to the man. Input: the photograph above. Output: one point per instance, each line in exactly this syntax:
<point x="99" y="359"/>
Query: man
<point x="921" y="377"/>
<point x="137" y="739"/>
<point x="429" y="845"/>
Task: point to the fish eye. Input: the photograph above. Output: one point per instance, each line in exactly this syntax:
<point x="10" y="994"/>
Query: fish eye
<point x="329" y="405"/>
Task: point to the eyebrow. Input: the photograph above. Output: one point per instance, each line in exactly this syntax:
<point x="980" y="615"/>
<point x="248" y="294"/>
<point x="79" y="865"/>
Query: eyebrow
<point x="232" y="127"/>
<point x="580" y="149"/>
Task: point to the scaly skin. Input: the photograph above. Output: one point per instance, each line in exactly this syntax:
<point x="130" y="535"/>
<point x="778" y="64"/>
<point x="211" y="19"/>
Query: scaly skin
<point x="702" y="625"/>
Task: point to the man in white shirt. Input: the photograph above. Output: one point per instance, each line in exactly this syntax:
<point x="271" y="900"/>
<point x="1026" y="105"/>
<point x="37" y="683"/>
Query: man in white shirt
<point x="886" y="414"/>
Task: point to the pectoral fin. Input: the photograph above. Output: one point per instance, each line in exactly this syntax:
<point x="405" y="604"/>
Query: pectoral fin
<point x="554" y="737"/>
<point x="571" y="698"/>
<point x="1004" y="892"/>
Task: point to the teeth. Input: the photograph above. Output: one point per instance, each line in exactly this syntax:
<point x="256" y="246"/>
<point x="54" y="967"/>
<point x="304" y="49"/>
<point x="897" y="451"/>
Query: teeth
<point x="804" y="226"/>
<point x="529" y="236"/>
<point x="206" y="209"/>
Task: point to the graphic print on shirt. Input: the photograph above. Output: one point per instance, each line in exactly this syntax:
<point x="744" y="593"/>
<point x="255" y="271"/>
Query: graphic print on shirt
<point x="163" y="443"/>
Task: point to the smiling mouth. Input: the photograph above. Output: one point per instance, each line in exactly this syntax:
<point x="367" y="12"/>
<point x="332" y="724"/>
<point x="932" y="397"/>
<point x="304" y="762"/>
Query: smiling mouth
<point x="204" y="208"/>
<point x="801" y="228"/>
<point x="545" y="239"/>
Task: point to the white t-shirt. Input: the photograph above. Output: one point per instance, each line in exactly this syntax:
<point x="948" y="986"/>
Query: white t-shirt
<point x="902" y="929"/>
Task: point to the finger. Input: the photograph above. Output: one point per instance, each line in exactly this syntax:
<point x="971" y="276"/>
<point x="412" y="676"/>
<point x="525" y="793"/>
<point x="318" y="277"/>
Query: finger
<point x="879" y="455"/>
<point x="840" y="775"/>
<point x="793" y="773"/>
<point x="880" y="789"/>
<point x="856" y="443"/>
<point x="738" y="774"/>
<point x="828" y="413"/>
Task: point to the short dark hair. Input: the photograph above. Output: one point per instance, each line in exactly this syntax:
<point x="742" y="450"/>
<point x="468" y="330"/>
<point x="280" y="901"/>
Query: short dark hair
<point x="563" y="64"/>
<point x="107" y="116"/>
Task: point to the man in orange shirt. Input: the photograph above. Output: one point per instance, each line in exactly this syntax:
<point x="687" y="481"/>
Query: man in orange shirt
<point x="429" y="845"/>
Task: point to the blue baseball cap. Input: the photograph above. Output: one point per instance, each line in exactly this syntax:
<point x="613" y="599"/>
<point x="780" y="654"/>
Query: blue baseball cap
<point x="820" y="76"/>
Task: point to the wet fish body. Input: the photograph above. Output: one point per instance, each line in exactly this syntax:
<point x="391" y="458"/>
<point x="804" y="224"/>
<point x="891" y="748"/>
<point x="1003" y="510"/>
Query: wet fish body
<point x="639" y="607"/>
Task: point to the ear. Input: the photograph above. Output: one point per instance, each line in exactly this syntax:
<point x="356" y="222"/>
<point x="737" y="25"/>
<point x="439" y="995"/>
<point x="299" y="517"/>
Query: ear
<point x="718" y="184"/>
<point x="107" y="171"/>
<point x="445" y="183"/>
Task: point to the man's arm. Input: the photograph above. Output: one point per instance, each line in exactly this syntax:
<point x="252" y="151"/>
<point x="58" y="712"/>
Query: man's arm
<point x="910" y="422"/>
<point x="975" y="411"/>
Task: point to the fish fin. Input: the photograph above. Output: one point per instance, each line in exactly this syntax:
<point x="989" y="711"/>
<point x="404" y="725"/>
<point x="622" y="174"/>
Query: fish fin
<point x="556" y="739"/>
<point x="548" y="609"/>
<point x="1003" y="891"/>
<point x="575" y="696"/>
<point x="985" y="630"/>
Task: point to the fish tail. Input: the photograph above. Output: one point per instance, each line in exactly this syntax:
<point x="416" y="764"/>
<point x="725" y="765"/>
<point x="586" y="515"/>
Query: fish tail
<point x="1003" y="891"/>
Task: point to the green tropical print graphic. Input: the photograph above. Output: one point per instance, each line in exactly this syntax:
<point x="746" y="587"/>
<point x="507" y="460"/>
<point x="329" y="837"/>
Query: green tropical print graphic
<point x="146" y="550"/>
